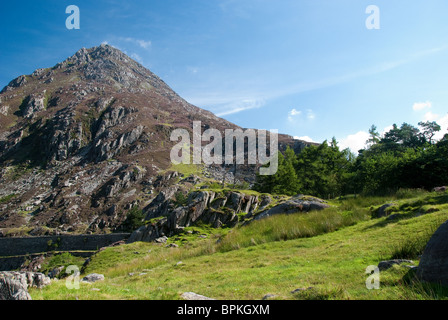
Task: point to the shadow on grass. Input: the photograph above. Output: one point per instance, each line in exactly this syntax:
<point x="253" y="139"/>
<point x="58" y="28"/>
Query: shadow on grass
<point x="411" y="210"/>
<point x="394" y="218"/>
<point x="428" y="291"/>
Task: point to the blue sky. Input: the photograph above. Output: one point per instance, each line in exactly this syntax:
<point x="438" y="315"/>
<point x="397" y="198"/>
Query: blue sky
<point x="309" y="68"/>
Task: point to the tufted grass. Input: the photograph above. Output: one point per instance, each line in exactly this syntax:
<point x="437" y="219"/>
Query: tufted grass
<point x="289" y="227"/>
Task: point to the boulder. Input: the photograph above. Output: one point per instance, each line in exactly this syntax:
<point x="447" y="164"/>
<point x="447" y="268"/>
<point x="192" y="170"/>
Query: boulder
<point x="433" y="265"/>
<point x="194" y="296"/>
<point x="296" y="204"/>
<point x="14" y="285"/>
<point x="382" y="211"/>
<point x="93" y="277"/>
<point x="54" y="273"/>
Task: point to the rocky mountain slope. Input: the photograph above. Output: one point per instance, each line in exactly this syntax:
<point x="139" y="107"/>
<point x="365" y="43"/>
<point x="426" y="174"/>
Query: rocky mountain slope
<point x="83" y="142"/>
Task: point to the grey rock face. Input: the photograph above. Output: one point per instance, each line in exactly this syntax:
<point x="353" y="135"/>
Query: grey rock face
<point x="4" y="110"/>
<point x="433" y="265"/>
<point x="93" y="277"/>
<point x="16" y="83"/>
<point x="194" y="296"/>
<point x="14" y="285"/>
<point x="213" y="209"/>
<point x="106" y="148"/>
<point x="33" y="104"/>
<point x="294" y="205"/>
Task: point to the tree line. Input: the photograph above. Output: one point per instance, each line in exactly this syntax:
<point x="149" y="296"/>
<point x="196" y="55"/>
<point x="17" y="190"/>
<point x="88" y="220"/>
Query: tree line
<point x="404" y="157"/>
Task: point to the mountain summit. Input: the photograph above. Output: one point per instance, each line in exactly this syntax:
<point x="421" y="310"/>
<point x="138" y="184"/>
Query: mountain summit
<point x="81" y="143"/>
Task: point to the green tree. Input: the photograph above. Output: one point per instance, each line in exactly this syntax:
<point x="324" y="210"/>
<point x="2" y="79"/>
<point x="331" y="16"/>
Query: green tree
<point x="430" y="128"/>
<point x="324" y="170"/>
<point x="134" y="220"/>
<point x="374" y="137"/>
<point x="284" y="181"/>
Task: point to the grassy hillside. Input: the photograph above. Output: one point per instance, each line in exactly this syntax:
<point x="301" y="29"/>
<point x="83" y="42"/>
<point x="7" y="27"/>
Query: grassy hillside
<point x="328" y="251"/>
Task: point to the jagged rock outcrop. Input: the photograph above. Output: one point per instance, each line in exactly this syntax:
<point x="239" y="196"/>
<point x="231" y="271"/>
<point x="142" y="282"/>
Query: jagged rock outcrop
<point x="14" y="285"/>
<point x="296" y="204"/>
<point x="33" y="104"/>
<point x="217" y="209"/>
<point x="200" y="206"/>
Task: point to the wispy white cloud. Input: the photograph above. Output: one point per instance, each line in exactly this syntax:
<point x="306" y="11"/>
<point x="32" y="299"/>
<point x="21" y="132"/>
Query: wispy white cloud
<point x="193" y="70"/>
<point x="422" y="105"/>
<point x="260" y="89"/>
<point x="429" y="116"/>
<point x="351" y="76"/>
<point x="354" y="142"/>
<point x="304" y="138"/>
<point x="357" y="141"/>
<point x="310" y="115"/>
<point x="239" y="106"/>
<point x="145" y="44"/>
<point x="443" y="122"/>
<point x="293" y="114"/>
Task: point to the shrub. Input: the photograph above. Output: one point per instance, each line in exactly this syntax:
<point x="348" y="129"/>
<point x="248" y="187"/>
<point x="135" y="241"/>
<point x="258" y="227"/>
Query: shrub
<point x="180" y="199"/>
<point x="134" y="220"/>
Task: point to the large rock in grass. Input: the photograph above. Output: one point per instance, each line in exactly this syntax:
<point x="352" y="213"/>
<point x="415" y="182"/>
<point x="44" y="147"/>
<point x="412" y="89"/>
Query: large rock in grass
<point x="93" y="277"/>
<point x="433" y="265"/>
<point x="14" y="285"/>
<point x="296" y="204"/>
<point x="383" y="210"/>
<point x="194" y="296"/>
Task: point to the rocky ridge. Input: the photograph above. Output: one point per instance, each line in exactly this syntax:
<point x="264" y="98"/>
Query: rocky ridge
<point x="81" y="143"/>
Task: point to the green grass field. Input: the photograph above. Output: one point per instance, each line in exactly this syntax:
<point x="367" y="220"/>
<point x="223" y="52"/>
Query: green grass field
<point x="328" y="251"/>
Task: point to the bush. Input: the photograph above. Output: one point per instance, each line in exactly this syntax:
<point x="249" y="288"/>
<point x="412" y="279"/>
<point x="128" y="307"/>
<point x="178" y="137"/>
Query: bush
<point x="180" y="199"/>
<point x="134" y="220"/>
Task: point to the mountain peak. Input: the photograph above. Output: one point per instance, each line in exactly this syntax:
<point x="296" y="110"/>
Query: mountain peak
<point x="81" y="143"/>
<point x="102" y="52"/>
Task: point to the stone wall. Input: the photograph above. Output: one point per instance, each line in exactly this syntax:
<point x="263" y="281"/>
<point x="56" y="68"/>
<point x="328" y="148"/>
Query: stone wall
<point x="33" y="245"/>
